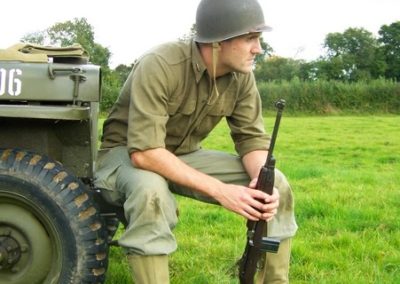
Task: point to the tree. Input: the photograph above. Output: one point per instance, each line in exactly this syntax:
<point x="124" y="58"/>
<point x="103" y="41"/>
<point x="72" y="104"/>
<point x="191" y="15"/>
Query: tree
<point x="390" y="38"/>
<point x="356" y="52"/>
<point x="277" y="68"/>
<point x="116" y="80"/>
<point x="38" y="37"/>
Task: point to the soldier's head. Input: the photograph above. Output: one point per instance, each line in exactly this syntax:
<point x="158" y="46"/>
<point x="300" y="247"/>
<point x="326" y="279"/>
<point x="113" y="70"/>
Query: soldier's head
<point x="232" y="28"/>
<point x="219" y="20"/>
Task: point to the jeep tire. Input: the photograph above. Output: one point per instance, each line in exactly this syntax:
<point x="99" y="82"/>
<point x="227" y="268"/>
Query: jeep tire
<point x="50" y="229"/>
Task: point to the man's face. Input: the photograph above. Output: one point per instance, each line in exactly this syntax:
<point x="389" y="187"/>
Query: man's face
<point x="238" y="54"/>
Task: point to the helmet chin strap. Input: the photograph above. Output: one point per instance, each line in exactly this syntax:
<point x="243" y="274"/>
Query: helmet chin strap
<point x="215" y="46"/>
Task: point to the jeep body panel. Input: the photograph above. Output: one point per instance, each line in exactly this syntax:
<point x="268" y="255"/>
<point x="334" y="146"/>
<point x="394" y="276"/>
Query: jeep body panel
<point x="49" y="82"/>
<point x="51" y="108"/>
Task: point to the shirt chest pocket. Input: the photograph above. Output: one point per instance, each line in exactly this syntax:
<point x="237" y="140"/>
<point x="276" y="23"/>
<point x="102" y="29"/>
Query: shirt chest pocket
<point x="224" y="105"/>
<point x="180" y="117"/>
<point x="178" y="106"/>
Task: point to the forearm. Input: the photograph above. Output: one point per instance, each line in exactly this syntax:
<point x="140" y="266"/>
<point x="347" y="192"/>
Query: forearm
<point x="253" y="161"/>
<point x="166" y="164"/>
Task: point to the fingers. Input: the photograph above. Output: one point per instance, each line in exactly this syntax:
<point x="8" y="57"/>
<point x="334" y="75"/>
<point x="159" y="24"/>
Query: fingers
<point x="255" y="193"/>
<point x="266" y="209"/>
<point x="251" y="214"/>
<point x="254" y="215"/>
<point x="254" y="212"/>
<point x="264" y="197"/>
<point x="251" y="208"/>
<point x="269" y="215"/>
<point x="250" y="203"/>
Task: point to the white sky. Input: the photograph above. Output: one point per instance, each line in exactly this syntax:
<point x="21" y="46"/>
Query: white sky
<point x="128" y="28"/>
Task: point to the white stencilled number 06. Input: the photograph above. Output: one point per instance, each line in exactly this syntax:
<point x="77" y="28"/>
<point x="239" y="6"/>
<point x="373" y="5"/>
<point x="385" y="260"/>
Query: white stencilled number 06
<point x="9" y="83"/>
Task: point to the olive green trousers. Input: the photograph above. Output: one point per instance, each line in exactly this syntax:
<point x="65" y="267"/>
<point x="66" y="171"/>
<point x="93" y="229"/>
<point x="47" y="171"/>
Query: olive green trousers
<point x="275" y="266"/>
<point x="150" y="206"/>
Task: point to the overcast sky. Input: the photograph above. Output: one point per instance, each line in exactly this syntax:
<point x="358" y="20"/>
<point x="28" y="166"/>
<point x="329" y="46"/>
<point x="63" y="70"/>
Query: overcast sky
<point x="128" y="28"/>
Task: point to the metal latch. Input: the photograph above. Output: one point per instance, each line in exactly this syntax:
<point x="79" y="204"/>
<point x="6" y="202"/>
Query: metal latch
<point x="75" y="74"/>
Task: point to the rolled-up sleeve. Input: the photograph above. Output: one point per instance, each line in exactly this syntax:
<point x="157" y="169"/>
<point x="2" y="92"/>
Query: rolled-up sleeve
<point x="246" y="122"/>
<point x="148" y="109"/>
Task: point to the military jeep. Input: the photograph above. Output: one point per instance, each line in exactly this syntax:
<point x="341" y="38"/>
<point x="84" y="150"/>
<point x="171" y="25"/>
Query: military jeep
<point x="54" y="225"/>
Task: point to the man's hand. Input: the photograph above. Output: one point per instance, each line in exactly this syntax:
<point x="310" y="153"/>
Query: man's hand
<point x="253" y="162"/>
<point x="272" y="202"/>
<point x="251" y="203"/>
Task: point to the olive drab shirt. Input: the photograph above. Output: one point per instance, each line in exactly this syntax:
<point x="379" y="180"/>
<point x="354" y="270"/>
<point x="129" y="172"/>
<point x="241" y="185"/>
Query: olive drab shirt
<point x="169" y="101"/>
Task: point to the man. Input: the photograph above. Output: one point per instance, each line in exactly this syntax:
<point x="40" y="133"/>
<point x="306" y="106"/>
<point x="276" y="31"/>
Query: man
<point x="174" y="96"/>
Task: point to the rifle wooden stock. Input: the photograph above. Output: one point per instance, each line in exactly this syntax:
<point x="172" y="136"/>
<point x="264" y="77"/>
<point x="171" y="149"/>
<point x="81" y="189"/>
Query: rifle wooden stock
<point x="257" y="244"/>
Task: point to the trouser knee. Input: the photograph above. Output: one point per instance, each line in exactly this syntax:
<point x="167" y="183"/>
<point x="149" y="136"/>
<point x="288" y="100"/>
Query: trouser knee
<point x="285" y="191"/>
<point x="150" y="198"/>
<point x="151" y="211"/>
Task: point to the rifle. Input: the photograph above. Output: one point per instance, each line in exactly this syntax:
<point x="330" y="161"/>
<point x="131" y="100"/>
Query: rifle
<point x="256" y="243"/>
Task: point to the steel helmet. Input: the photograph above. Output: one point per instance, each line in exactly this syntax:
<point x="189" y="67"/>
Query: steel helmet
<point x="218" y="20"/>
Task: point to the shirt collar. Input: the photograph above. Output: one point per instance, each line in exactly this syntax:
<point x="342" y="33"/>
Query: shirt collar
<point x="199" y="68"/>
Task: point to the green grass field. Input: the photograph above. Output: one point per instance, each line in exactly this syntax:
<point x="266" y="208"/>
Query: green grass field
<point x="345" y="174"/>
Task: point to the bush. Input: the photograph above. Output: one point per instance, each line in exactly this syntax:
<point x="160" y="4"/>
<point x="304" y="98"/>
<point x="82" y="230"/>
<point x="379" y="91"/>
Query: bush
<point x="330" y="97"/>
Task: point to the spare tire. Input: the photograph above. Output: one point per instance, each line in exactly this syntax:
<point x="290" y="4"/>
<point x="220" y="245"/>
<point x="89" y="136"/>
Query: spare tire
<point x="51" y="231"/>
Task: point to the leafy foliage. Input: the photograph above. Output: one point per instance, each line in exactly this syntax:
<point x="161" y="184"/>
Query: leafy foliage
<point x="333" y="97"/>
<point x="352" y="56"/>
<point x="390" y="39"/>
